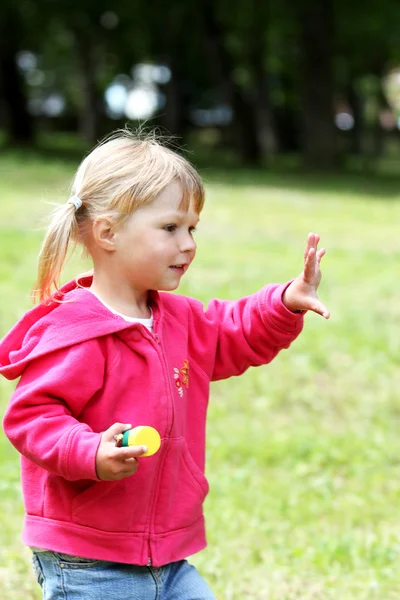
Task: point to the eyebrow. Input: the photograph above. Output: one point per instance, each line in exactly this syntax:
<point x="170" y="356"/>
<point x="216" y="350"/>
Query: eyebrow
<point x="178" y="214"/>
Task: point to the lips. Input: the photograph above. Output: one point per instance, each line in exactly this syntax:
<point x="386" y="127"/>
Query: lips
<point x="180" y="267"/>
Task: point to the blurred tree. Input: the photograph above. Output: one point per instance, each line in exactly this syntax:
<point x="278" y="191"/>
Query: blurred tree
<point x="222" y="60"/>
<point x="166" y="34"/>
<point x="247" y="41"/>
<point x="283" y="67"/>
<point x="316" y="36"/>
<point x="367" y="46"/>
<point x="77" y="43"/>
<point x="18" y="122"/>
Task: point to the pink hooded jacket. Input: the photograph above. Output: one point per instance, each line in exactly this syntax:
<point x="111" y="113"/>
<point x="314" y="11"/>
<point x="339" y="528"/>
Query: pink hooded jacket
<point x="84" y="368"/>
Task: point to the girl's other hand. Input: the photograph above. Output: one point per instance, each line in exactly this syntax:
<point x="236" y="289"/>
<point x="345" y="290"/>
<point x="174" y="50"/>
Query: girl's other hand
<point x="114" y="463"/>
<point x="301" y="294"/>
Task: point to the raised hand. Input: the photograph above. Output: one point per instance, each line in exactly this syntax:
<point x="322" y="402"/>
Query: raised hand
<point x="114" y="463"/>
<point x="301" y="294"/>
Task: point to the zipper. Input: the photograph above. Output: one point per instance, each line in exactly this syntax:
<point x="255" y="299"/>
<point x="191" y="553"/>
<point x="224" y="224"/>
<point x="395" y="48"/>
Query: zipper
<point x="156" y="339"/>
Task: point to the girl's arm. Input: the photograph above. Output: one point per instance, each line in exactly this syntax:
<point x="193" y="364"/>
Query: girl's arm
<point x="42" y="419"/>
<point x="252" y="330"/>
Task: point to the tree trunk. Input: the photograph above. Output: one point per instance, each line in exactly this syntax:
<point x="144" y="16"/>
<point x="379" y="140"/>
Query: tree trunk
<point x="168" y="44"/>
<point x="267" y="134"/>
<point x="89" y="122"/>
<point x="378" y="133"/>
<point x="245" y="123"/>
<point x="316" y="21"/>
<point x="286" y="116"/>
<point x="257" y="44"/>
<point x="89" y="63"/>
<point x="18" y="122"/>
<point x="356" y="105"/>
<point x="173" y="117"/>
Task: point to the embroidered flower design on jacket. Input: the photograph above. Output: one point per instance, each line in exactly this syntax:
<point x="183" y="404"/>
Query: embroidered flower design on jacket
<point x="181" y="377"/>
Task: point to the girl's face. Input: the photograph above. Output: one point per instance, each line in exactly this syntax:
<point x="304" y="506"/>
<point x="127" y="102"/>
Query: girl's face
<point x="155" y="246"/>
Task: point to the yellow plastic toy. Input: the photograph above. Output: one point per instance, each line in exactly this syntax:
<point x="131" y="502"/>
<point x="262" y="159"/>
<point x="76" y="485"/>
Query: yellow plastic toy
<point x="142" y="435"/>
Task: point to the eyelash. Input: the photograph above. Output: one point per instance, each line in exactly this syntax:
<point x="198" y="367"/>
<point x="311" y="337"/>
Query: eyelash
<point x="172" y="229"/>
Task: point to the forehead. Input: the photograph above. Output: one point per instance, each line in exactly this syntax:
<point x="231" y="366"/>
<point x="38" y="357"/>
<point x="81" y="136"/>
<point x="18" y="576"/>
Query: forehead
<point x="171" y="200"/>
<point x="170" y="197"/>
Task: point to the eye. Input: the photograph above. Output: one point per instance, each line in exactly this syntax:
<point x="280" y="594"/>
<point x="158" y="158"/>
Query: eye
<point x="170" y="228"/>
<point x="192" y="230"/>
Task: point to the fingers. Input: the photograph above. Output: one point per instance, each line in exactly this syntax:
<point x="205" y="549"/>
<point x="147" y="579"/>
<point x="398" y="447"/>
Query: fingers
<point x="116" y="428"/>
<point x="130" y="453"/>
<point x="309" y="265"/>
<point x="131" y="466"/>
<point x="113" y="463"/>
<point x="320" y="309"/>
<point x="320" y="254"/>
<point x="312" y="275"/>
<point x="126" y="460"/>
<point x="312" y="242"/>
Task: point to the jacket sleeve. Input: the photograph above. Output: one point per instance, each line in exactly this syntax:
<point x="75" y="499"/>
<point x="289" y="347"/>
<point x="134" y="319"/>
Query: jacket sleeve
<point x="42" y="418"/>
<point x="248" y="332"/>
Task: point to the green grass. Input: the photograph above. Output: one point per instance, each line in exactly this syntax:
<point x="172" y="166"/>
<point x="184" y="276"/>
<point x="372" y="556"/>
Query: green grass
<point x="303" y="454"/>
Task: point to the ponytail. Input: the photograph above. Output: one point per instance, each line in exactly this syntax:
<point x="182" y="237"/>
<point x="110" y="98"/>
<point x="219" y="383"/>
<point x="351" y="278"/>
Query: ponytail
<point x="62" y="230"/>
<point x="121" y="174"/>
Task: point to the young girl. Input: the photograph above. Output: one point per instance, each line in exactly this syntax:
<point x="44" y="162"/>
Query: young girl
<point x="108" y="352"/>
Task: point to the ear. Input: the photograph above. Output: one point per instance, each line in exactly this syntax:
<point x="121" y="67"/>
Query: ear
<point x="104" y="233"/>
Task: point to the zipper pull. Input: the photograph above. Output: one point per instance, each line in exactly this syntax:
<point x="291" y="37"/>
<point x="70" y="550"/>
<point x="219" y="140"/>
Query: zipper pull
<point x="149" y="562"/>
<point x="156" y="337"/>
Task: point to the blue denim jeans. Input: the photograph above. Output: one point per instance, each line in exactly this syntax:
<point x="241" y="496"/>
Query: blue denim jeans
<point x="65" y="577"/>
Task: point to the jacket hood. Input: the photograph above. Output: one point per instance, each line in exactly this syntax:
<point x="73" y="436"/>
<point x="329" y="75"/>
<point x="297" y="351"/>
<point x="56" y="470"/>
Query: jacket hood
<point x="74" y="315"/>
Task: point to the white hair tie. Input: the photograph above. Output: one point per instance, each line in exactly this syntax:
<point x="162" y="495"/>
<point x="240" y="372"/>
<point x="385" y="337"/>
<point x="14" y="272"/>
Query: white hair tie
<point x="77" y="202"/>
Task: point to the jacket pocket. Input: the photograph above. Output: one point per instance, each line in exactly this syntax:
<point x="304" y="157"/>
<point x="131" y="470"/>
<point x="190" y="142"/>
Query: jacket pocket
<point x="86" y="506"/>
<point x="115" y="506"/>
<point x="182" y="489"/>
<point x="107" y="505"/>
<point x="69" y="561"/>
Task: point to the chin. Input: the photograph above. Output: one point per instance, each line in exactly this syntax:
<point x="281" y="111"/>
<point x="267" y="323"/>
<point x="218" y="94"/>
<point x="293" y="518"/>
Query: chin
<point x="168" y="287"/>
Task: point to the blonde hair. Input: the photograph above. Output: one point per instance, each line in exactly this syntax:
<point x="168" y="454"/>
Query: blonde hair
<point x="125" y="171"/>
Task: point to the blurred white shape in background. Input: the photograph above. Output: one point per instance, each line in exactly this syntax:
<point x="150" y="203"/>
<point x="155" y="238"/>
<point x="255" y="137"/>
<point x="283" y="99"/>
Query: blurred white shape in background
<point x="344" y="121"/>
<point x="53" y="105"/>
<point x="109" y="19"/>
<point x="391" y="87"/>
<point x="142" y="103"/>
<point x="137" y="97"/>
<point x="212" y="117"/>
<point x="26" y="61"/>
<point x="116" y="96"/>
<point x="144" y="73"/>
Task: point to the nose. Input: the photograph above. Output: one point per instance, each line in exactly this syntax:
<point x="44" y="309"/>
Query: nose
<point x="188" y="244"/>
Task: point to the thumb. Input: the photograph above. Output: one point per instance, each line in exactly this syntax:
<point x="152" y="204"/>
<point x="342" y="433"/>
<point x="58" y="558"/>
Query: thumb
<point x="320" y="309"/>
<point x="108" y="434"/>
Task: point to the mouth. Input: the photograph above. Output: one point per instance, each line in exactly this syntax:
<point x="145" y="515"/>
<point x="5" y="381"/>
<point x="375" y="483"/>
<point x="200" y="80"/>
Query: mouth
<point x="179" y="268"/>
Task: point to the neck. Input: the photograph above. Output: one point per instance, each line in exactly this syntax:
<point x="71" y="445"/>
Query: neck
<point x="120" y="296"/>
